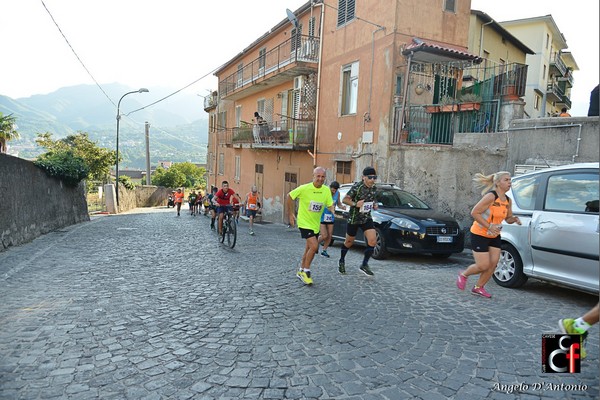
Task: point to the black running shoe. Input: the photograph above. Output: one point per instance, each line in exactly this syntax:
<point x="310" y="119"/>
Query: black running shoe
<point x="342" y="267"/>
<point x="366" y="270"/>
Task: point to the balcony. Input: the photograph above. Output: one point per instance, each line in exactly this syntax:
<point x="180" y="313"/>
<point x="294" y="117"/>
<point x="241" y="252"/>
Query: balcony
<point x="210" y="101"/>
<point x="554" y="92"/>
<point x="565" y="101"/>
<point x="288" y="134"/>
<point x="295" y="56"/>
<point x="557" y="65"/>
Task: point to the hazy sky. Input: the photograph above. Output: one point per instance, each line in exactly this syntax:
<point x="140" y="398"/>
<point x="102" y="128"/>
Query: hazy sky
<point x="149" y="43"/>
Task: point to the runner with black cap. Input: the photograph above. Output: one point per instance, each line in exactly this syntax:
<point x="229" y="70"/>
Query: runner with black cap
<point x="361" y="199"/>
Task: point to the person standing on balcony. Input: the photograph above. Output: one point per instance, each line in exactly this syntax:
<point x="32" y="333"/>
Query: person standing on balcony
<point x="493" y="208"/>
<point x="313" y="198"/>
<point x="259" y="122"/>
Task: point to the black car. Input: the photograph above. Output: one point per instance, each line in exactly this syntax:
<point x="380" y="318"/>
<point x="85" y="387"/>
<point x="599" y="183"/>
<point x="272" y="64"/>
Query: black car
<point x="405" y="224"/>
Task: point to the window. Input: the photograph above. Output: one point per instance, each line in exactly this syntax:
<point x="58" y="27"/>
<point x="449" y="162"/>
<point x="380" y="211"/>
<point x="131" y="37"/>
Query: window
<point x="536" y="102"/>
<point x="238" y="168"/>
<point x="221" y="163"/>
<point x="398" y="85"/>
<point x="258" y="168"/>
<point x="240" y="75"/>
<point x="222" y="123"/>
<point x="346" y="9"/>
<point x="290" y="177"/>
<point x="544" y="73"/>
<point x="450" y="5"/>
<point x="343" y="171"/>
<point x="297" y="38"/>
<point x="311" y="27"/>
<point x="209" y="165"/>
<point x="576" y="192"/>
<point x="238" y="115"/>
<point x="525" y="191"/>
<point x="262" y="58"/>
<point x="547" y="40"/>
<point x="349" y="92"/>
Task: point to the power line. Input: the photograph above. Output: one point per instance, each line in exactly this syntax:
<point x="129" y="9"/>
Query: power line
<point x="76" y="55"/>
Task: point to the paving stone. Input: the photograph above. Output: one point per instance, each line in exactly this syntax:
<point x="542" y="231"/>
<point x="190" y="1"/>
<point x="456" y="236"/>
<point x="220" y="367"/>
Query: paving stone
<point x="100" y="311"/>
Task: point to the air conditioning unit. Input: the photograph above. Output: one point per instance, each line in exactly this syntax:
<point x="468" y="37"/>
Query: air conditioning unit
<point x="298" y="82"/>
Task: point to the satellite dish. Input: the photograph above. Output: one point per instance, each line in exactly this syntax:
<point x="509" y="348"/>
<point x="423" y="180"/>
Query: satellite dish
<point x="292" y="17"/>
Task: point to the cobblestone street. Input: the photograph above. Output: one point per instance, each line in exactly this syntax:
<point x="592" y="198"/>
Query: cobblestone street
<point x="147" y="305"/>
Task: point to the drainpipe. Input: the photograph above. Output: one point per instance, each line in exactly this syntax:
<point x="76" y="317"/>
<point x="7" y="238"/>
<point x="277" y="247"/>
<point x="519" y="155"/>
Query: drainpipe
<point x="368" y="113"/>
<point x="556" y="126"/>
<point x="481" y="43"/>
<point x="314" y="152"/>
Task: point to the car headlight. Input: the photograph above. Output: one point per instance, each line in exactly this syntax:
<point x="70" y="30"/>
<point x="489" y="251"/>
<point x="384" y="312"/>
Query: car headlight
<point x="406" y="223"/>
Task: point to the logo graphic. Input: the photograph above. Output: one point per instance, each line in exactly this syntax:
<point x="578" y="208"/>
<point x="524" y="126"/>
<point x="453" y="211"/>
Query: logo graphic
<point x="561" y="353"/>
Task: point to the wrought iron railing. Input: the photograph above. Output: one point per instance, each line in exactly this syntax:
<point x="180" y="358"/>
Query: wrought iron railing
<point x="295" y="133"/>
<point x="296" y="49"/>
<point x="437" y="124"/>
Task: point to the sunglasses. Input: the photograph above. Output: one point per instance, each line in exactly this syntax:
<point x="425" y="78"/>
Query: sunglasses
<point x="372" y="177"/>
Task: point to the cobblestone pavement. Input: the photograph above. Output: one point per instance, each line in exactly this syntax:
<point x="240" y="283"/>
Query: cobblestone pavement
<point x="146" y="305"/>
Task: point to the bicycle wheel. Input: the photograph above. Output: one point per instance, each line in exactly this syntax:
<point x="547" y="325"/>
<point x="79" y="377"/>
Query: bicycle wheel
<point x="231" y="233"/>
<point x="223" y="230"/>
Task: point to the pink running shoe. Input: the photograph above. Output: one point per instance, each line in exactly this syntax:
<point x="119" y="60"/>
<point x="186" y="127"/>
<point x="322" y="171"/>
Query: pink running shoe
<point x="480" y="291"/>
<point x="461" y="281"/>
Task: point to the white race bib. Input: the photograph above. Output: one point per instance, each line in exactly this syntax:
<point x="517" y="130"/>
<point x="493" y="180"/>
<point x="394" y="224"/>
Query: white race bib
<point x="327" y="217"/>
<point x="315" y="206"/>
<point x="251" y="206"/>
<point x="366" y="207"/>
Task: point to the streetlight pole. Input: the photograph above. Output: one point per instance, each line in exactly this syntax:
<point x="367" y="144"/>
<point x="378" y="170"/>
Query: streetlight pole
<point x="142" y="90"/>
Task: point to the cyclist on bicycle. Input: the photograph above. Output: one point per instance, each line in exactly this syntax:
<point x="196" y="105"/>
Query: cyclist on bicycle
<point x="224" y="199"/>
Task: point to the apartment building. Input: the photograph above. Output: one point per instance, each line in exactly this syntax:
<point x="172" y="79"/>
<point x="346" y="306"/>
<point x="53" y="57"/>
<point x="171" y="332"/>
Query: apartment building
<point x="550" y="73"/>
<point x="346" y="84"/>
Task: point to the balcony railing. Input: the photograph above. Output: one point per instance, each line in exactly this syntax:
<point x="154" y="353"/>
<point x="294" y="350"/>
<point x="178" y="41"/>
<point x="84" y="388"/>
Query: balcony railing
<point x="564" y="101"/>
<point x="437" y="124"/>
<point x="557" y="63"/>
<point x="294" y="50"/>
<point x="289" y="133"/>
<point x="554" y="92"/>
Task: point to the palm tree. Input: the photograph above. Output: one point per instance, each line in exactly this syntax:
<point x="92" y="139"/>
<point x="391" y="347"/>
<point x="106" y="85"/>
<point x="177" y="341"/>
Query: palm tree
<point x="8" y="130"/>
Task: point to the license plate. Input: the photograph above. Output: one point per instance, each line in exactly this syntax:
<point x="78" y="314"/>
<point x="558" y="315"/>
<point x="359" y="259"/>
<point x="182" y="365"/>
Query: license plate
<point x="444" y="239"/>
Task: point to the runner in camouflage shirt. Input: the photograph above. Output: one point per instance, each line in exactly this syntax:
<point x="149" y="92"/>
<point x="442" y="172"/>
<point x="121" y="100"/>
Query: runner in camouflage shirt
<point x="361" y="199"/>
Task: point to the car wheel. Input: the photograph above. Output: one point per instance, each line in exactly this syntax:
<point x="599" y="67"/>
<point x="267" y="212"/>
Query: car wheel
<point x="380" y="252"/>
<point x="509" y="271"/>
<point x="441" y="256"/>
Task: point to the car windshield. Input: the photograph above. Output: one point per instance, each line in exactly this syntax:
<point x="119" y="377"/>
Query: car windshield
<point x="396" y="198"/>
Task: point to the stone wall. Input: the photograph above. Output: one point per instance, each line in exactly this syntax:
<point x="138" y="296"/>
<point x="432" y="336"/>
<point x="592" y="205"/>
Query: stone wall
<point x="32" y="203"/>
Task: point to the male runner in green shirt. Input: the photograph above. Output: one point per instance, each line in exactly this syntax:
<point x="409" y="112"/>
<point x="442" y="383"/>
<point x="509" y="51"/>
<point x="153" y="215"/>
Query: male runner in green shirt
<point x="313" y="198"/>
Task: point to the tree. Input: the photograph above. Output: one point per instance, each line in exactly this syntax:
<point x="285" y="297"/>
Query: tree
<point x="171" y="178"/>
<point x="183" y="174"/>
<point x="97" y="159"/>
<point x="8" y="130"/>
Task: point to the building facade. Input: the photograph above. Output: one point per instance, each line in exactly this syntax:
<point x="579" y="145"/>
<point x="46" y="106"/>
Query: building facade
<point x="550" y="76"/>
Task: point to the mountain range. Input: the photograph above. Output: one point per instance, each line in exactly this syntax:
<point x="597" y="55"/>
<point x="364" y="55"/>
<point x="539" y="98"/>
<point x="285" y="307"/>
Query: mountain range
<point x="178" y="124"/>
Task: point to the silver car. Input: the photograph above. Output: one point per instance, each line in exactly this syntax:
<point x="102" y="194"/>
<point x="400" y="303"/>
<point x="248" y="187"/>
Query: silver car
<point x="558" y="238"/>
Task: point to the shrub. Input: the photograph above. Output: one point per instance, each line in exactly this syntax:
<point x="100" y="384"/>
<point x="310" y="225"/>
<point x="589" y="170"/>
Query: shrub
<point x="63" y="165"/>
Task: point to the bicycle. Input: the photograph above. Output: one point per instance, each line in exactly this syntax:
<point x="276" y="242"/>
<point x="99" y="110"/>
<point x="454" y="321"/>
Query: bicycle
<point x="229" y="230"/>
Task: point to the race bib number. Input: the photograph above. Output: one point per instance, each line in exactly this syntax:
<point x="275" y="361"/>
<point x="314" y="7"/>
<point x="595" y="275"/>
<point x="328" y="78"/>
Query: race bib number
<point x="315" y="206"/>
<point x="251" y="206"/>
<point x="328" y="218"/>
<point x="366" y="207"/>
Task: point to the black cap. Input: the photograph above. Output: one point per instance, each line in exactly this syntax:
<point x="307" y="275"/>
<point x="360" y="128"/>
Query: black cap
<point x="335" y="185"/>
<point x="369" y="171"/>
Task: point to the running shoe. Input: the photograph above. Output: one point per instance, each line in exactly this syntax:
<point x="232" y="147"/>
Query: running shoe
<point x="325" y="254"/>
<point x="342" y="267"/>
<point x="304" y="276"/>
<point x="366" y="270"/>
<point x="251" y="232"/>
<point x="567" y="326"/>
<point x="480" y="291"/>
<point x="461" y="281"/>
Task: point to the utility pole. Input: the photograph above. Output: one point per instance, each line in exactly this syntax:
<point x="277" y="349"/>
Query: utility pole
<point x="148" y="181"/>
